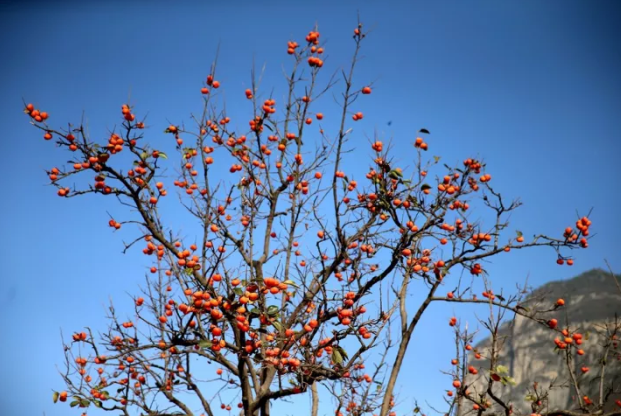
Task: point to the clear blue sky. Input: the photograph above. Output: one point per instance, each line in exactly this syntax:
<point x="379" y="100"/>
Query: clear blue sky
<point x="533" y="87"/>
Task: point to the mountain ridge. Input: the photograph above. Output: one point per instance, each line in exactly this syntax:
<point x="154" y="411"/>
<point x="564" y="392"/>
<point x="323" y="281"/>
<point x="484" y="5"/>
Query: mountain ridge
<point x="528" y="350"/>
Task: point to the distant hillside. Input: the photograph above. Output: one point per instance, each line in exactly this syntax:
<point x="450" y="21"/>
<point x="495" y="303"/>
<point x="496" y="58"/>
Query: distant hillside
<point x="592" y="298"/>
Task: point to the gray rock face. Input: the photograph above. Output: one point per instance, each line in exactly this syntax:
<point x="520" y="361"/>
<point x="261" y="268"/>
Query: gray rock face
<point x="528" y="349"/>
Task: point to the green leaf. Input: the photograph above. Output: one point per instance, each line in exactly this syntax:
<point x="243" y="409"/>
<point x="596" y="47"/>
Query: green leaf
<point x="205" y="343"/>
<point x="74" y="403"/>
<point x="395" y="174"/>
<point x="162" y="154"/>
<point x="425" y="187"/>
<point x="55" y="396"/>
<point x="416" y="409"/>
<point x="279" y="327"/>
<point x="290" y="283"/>
<point x="518" y="232"/>
<point x="254" y="311"/>
<point x="337" y="358"/>
<point x="501" y="369"/>
<point x="97" y="403"/>
<point x="144" y="155"/>
<point x="436" y="159"/>
<point x="508" y="380"/>
<point x="342" y="351"/>
<point x="238" y="291"/>
<point x="272" y="310"/>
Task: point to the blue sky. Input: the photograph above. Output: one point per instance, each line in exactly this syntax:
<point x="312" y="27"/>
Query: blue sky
<point x="532" y="87"/>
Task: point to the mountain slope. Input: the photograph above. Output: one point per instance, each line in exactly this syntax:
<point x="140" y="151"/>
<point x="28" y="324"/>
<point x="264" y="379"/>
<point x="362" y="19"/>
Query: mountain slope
<point x="528" y="349"/>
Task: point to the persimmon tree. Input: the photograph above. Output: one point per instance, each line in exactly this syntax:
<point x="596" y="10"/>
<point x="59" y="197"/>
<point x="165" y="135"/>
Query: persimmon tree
<point x="296" y="273"/>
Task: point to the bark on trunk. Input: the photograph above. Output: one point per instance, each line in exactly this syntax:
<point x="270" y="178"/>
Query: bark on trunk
<point x="405" y="340"/>
<point x="315" y="399"/>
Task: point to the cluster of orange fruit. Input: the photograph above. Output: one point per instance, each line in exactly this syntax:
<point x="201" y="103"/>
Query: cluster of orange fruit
<point x="212" y="83"/>
<point x="419" y="143"/>
<point x="127" y="113"/>
<point x="313" y="39"/>
<point x="291" y="47"/>
<point x="473" y="165"/>
<point x="571" y="236"/>
<point x="79" y="336"/>
<point x="268" y="107"/>
<point x="377" y="146"/>
<point x="274" y="286"/>
<point x="449" y="184"/>
<point x="36" y="114"/>
<point x="114" y="224"/>
<point x="582" y="225"/>
<point x="476" y="269"/>
<point x="347" y="312"/>
<point x="479" y="238"/>
<point x="485" y="178"/>
<point x="357" y="116"/>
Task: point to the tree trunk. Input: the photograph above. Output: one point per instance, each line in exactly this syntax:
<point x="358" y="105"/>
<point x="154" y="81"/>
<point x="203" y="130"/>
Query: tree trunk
<point x="403" y="346"/>
<point x="315" y="399"/>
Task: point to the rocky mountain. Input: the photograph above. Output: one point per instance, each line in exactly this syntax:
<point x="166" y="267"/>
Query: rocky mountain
<point x="528" y="349"/>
